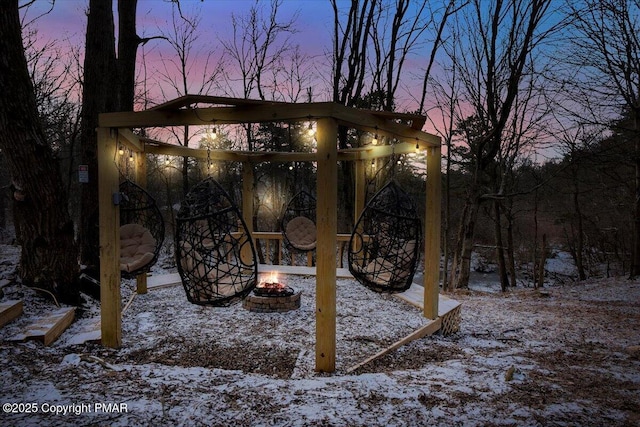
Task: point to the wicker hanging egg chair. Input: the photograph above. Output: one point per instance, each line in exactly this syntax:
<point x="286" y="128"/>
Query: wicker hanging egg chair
<point x="215" y="254"/>
<point x="141" y="230"/>
<point x="384" y="245"/>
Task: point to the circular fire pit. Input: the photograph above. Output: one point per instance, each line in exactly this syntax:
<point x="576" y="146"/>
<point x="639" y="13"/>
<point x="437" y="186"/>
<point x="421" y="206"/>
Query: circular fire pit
<point x="272" y="297"/>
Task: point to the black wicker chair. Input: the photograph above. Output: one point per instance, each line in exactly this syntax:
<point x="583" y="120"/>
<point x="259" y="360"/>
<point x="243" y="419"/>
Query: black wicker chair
<point x="215" y="254"/>
<point x="299" y="222"/>
<point x="384" y="245"/>
<point x="141" y="230"/>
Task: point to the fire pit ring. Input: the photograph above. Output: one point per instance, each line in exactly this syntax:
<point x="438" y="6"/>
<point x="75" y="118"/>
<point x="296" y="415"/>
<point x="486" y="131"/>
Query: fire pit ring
<point x="272" y="297"/>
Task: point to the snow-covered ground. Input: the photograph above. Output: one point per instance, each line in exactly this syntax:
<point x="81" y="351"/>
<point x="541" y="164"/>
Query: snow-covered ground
<point x="563" y="357"/>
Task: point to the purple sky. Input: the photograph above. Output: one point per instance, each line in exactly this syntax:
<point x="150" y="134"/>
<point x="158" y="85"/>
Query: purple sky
<point x="68" y="19"/>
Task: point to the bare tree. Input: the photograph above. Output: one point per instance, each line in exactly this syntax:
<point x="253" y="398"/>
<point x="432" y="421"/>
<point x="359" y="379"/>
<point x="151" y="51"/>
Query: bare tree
<point x="372" y="42"/>
<point x="190" y="70"/>
<point x="259" y="42"/>
<point x="607" y="48"/>
<point x="501" y="38"/>
<point x="43" y="226"/>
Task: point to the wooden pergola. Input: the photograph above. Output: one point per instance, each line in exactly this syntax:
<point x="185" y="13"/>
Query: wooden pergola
<point x="114" y="130"/>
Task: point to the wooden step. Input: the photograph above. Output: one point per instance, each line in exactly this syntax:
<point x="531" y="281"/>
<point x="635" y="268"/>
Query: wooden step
<point x="48" y="328"/>
<point x="9" y="310"/>
<point x="449" y="310"/>
<point x="89" y="331"/>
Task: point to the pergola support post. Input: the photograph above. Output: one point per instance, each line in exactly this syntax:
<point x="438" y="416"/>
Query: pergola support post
<point x="247" y="206"/>
<point x="432" y="234"/>
<point x="360" y="190"/>
<point x="141" y="180"/>
<point x="327" y="226"/>
<point x="108" y="199"/>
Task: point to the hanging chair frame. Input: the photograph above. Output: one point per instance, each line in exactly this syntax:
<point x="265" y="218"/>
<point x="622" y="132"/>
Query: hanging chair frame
<point x="215" y="254"/>
<point x="384" y="248"/>
<point x="137" y="206"/>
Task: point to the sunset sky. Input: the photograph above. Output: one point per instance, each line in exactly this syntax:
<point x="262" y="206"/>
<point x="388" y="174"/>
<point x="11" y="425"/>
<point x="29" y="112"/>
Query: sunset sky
<point x="68" y="17"/>
<point x="67" y="21"/>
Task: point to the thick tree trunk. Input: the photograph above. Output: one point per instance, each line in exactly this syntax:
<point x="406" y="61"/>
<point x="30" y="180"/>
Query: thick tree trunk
<point x="99" y="96"/>
<point x="128" y="42"/>
<point x="49" y="257"/>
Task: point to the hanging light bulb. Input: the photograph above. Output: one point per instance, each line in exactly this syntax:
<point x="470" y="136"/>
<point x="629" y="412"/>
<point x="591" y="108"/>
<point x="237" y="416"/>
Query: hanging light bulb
<point x="214" y="134"/>
<point x="417" y="148"/>
<point x="121" y="150"/>
<point x="290" y="167"/>
<point x="131" y="156"/>
<point x="374" y="141"/>
<point x="166" y="160"/>
<point x="310" y="130"/>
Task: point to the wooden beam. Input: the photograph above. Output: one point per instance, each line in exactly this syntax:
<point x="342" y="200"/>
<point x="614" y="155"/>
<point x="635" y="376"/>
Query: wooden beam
<point x="141" y="180"/>
<point x="48" y="328"/>
<point x="428" y="329"/>
<point x="365" y="120"/>
<point x="108" y="191"/>
<point x="327" y="225"/>
<point x="360" y="193"/>
<point x="371" y="152"/>
<point x="351" y="154"/>
<point x="431" y="279"/>
<point x="180" y="151"/>
<point x="258" y="113"/>
<point x="9" y="310"/>
<point x="187" y="100"/>
<point x="130" y="140"/>
<point x="247" y="207"/>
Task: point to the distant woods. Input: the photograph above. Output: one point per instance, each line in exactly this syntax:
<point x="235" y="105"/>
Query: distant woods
<point x="536" y="102"/>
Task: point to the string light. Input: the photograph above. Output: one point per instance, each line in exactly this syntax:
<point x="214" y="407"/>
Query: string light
<point x="310" y="130"/>
<point x="374" y="141"/>
<point x="131" y="156"/>
<point x="121" y="150"/>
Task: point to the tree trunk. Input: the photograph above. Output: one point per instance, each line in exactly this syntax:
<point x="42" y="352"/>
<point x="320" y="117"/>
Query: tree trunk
<point x="98" y="96"/>
<point x="511" y="259"/>
<point x="461" y="265"/>
<point x="49" y="257"/>
<point x="128" y="42"/>
<point x="502" y="264"/>
<point x="447" y="219"/>
<point x="541" y="262"/>
<point x="635" y="257"/>
<point x="579" y="246"/>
